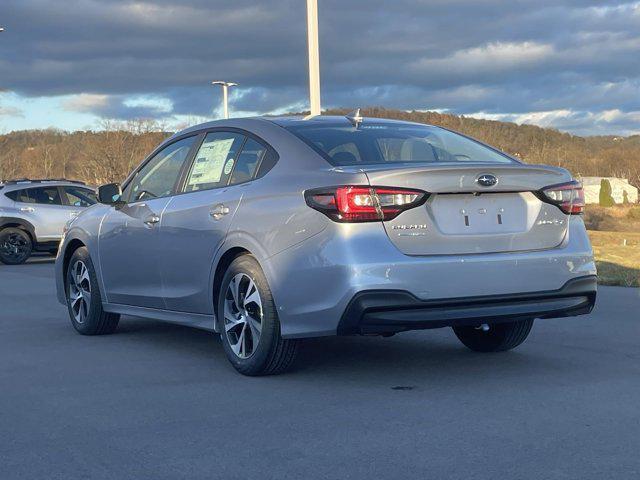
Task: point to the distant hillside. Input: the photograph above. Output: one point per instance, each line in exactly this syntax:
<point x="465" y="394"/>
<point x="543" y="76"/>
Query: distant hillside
<point x="585" y="156"/>
<point x="94" y="157"/>
<point x="99" y="157"/>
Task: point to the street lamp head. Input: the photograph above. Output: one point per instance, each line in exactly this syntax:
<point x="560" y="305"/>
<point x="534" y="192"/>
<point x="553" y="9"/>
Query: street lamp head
<point x="224" y="84"/>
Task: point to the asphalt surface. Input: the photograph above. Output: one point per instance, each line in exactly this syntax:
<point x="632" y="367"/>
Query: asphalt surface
<point x="159" y="401"/>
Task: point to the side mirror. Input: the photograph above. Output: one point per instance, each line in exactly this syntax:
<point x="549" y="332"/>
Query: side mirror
<point x="110" y="194"/>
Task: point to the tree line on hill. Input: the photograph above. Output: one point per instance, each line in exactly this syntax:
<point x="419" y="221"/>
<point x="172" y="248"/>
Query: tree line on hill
<point x="111" y="152"/>
<point x="95" y="157"/>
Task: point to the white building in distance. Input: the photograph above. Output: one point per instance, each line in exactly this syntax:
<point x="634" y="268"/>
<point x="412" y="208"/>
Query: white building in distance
<point x="620" y="188"/>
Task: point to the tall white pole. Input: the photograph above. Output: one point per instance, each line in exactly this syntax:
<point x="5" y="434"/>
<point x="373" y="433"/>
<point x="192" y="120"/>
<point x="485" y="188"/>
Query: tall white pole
<point x="314" y="57"/>
<point x="225" y="100"/>
<point x="225" y="95"/>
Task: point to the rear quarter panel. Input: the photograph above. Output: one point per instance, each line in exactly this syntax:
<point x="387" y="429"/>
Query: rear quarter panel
<point x="273" y="215"/>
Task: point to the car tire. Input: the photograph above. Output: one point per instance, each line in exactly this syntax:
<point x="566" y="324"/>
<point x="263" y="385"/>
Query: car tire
<point x="15" y="246"/>
<point x="499" y="337"/>
<point x="246" y="311"/>
<point x="83" y="297"/>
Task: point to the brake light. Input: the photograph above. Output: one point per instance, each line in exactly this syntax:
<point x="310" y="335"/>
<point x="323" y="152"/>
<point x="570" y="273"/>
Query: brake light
<point x="568" y="197"/>
<point x="363" y="204"/>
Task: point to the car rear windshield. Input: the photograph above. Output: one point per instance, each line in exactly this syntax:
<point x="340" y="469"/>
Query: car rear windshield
<point x="388" y="143"/>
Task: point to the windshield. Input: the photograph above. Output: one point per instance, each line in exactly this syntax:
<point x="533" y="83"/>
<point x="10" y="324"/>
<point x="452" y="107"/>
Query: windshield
<point x="390" y="143"/>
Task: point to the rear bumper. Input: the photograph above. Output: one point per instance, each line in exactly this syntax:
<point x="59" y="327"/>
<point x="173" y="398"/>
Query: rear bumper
<point x="314" y="282"/>
<point x="391" y="311"/>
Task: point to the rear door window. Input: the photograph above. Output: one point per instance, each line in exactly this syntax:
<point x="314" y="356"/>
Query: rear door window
<point x="45" y="195"/>
<point x="215" y="161"/>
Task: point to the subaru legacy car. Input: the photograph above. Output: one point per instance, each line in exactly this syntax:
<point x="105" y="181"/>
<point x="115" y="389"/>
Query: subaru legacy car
<point x="271" y="230"/>
<point x="33" y="214"/>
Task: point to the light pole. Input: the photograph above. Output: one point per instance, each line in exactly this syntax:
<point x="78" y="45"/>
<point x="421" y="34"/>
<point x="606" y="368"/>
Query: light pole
<point x="314" y="57"/>
<point x="1" y="30"/>
<point x="225" y="95"/>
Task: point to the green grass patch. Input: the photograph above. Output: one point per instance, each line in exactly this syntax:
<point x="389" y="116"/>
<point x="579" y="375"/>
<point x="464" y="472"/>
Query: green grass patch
<point x="617" y="257"/>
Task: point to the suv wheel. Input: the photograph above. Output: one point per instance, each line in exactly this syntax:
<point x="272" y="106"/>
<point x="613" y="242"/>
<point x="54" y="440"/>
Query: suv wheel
<point x="497" y="338"/>
<point x="249" y="325"/>
<point x="83" y="297"/>
<point x="15" y="246"/>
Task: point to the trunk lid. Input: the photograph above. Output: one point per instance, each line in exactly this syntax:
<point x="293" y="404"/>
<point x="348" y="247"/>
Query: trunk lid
<point x="461" y="216"/>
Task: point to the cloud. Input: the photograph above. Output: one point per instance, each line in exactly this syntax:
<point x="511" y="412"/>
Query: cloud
<point x="11" y="112"/>
<point x="86" y="102"/>
<point x="492" y="57"/>
<point x="578" y="122"/>
<point x="119" y="107"/>
<point x="120" y="58"/>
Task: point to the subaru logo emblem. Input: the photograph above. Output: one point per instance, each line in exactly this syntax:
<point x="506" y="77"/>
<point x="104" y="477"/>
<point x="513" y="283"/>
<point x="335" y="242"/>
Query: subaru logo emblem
<point x="487" y="180"/>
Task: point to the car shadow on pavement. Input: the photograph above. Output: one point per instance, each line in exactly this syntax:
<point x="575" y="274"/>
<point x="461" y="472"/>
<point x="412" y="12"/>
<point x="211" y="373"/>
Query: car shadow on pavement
<point x="40" y="259"/>
<point x="412" y="355"/>
<point x="406" y="360"/>
<point x="171" y="337"/>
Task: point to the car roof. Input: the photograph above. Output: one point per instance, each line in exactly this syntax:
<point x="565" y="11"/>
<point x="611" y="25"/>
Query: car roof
<point x="335" y="120"/>
<point x="12" y="185"/>
<point x="245" y="123"/>
<point x="292" y="121"/>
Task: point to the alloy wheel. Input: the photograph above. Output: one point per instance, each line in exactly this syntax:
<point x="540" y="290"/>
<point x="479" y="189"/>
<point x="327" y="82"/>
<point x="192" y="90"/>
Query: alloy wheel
<point x="243" y="315"/>
<point x="79" y="291"/>
<point x="14" y="247"/>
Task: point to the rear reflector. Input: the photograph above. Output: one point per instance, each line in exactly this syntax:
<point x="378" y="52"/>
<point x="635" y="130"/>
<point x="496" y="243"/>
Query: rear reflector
<point x="568" y="197"/>
<point x="363" y="204"/>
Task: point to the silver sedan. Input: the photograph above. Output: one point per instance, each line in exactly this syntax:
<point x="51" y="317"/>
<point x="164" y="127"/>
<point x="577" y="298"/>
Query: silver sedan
<point x="269" y="230"/>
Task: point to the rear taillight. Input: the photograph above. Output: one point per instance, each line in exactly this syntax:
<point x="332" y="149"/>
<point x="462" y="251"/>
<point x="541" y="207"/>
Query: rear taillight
<point x="363" y="204"/>
<point x="568" y="197"/>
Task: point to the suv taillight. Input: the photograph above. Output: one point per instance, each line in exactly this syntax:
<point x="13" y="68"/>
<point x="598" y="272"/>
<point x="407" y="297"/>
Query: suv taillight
<point x="363" y="204"/>
<point x="568" y="197"/>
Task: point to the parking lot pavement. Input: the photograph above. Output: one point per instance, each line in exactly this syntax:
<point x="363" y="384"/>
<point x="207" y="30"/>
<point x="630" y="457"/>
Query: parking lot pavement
<point x="159" y="401"/>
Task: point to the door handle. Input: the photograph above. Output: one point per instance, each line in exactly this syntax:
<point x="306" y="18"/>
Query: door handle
<point x="219" y="211"/>
<point x="74" y="214"/>
<point x="28" y="209"/>
<point x="152" y="219"/>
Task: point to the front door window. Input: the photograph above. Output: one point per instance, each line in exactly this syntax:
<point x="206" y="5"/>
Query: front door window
<point x="159" y="175"/>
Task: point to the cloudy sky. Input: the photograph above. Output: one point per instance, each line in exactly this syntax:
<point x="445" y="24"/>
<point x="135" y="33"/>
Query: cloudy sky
<point x="572" y="65"/>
